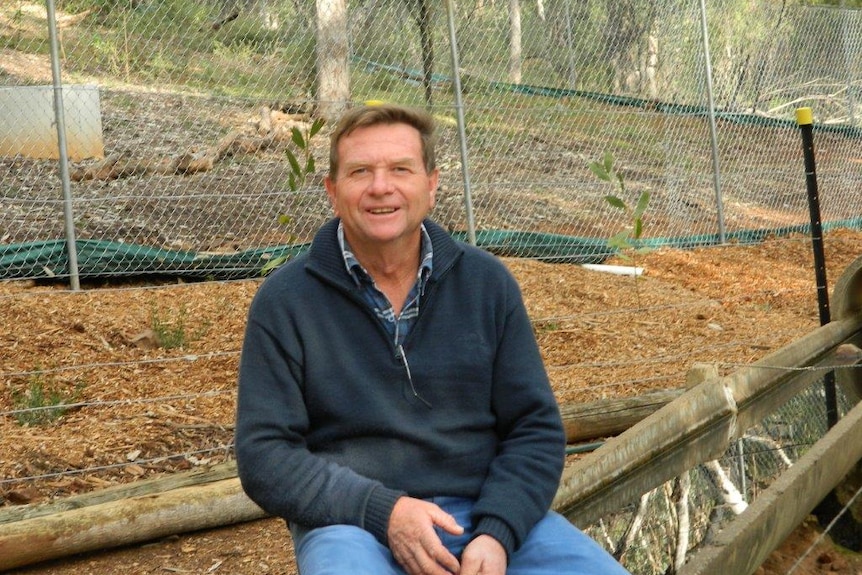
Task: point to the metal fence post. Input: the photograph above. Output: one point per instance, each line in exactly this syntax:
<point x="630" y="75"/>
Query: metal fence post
<point x="806" y="127"/>
<point x="71" y="242"/>
<point x="713" y="133"/>
<point x="462" y="135"/>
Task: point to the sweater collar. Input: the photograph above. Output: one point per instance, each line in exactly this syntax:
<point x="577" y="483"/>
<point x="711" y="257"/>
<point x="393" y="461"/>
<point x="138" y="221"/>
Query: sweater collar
<point x="325" y="255"/>
<point x="358" y="272"/>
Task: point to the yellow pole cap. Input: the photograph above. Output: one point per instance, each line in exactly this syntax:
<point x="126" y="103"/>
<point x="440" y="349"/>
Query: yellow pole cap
<point x="374" y="102"/>
<point x="804" y="117"/>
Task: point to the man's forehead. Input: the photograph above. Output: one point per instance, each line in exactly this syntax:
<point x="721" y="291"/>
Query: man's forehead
<point x="393" y="146"/>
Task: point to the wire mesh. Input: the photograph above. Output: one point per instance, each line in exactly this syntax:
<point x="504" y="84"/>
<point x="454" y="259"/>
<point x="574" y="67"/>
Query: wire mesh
<point x="657" y="534"/>
<point x="190" y="108"/>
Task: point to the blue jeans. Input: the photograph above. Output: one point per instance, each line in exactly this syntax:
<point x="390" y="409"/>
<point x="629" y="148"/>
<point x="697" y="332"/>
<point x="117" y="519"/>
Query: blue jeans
<point x="553" y="547"/>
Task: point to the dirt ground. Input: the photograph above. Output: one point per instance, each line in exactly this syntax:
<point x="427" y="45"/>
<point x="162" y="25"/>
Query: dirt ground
<point x="142" y="410"/>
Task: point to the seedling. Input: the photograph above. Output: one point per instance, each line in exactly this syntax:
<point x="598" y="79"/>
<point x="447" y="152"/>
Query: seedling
<point x="625" y="242"/>
<point x="301" y="167"/>
<point x="170" y="334"/>
<point x="41" y="403"/>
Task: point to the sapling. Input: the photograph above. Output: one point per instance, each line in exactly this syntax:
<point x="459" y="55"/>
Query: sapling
<point x="626" y="242"/>
<point x="299" y="172"/>
<point x="301" y="167"/>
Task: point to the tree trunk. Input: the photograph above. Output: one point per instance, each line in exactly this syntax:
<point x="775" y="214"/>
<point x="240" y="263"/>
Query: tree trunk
<point x="333" y="70"/>
<point x="515" y="41"/>
<point x="423" y="19"/>
<point x="124" y="522"/>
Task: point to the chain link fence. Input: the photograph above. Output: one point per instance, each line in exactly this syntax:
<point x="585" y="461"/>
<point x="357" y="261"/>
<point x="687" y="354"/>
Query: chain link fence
<point x="177" y="116"/>
<point x="669" y="524"/>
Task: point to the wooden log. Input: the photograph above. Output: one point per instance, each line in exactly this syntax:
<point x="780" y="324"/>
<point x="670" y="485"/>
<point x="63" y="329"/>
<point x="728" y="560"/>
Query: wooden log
<point x="153" y="486"/>
<point x="846" y="302"/>
<point x="167" y="500"/>
<point x="610" y="417"/>
<point x="743" y="545"/>
<point x="99" y="171"/>
<point x="582" y="422"/>
<point x="121" y="165"/>
<point x="124" y="522"/>
<point x="695" y="428"/>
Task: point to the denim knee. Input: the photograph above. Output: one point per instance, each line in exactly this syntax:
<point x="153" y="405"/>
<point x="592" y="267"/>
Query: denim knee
<point x="340" y="549"/>
<point x="556" y="547"/>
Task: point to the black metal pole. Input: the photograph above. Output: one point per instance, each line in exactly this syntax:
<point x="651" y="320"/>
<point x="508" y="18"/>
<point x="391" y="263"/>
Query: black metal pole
<point x="806" y="127"/>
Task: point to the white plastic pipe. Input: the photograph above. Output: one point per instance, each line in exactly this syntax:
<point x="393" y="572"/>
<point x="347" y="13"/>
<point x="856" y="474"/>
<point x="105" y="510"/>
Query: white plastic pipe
<point x="618" y="270"/>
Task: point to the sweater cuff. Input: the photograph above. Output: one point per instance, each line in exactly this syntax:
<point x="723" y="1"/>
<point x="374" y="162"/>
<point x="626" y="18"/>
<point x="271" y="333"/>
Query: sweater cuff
<point x="499" y="530"/>
<point x="378" y="509"/>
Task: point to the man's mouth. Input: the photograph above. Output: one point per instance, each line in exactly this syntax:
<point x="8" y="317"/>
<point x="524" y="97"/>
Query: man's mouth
<point x="382" y="211"/>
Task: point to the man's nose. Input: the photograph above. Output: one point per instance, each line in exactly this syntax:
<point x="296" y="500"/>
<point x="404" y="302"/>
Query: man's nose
<point x="380" y="181"/>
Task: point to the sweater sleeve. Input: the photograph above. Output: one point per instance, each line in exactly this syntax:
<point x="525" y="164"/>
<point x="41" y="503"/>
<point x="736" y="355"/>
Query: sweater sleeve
<point x="525" y="474"/>
<point x="277" y="470"/>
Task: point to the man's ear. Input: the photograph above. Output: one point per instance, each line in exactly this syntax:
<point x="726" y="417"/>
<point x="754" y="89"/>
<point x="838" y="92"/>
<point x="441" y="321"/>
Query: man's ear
<point x="329" y="184"/>
<point x="434" y="178"/>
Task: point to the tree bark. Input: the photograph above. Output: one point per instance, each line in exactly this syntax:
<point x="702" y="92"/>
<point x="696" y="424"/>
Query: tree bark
<point x="609" y="417"/>
<point x="333" y="71"/>
<point x="124" y="522"/>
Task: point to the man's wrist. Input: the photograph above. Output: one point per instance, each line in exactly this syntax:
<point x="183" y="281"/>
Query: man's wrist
<point x="378" y="509"/>
<point x="499" y="530"/>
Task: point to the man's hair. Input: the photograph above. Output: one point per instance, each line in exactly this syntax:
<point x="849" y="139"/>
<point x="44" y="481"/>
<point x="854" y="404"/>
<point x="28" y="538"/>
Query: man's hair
<point x="384" y="114"/>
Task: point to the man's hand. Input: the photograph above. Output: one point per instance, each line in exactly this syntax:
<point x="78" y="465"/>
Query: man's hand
<point x="483" y="556"/>
<point x="415" y="544"/>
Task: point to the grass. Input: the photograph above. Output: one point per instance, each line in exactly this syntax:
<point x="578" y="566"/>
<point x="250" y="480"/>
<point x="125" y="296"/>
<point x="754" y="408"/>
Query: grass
<point x="171" y="330"/>
<point x="42" y="403"/>
<point x="170" y="334"/>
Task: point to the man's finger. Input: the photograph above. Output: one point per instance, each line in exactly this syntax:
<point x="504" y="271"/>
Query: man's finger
<point x="448" y="523"/>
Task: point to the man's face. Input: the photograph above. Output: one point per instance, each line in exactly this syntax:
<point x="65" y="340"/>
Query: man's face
<point x="381" y="191"/>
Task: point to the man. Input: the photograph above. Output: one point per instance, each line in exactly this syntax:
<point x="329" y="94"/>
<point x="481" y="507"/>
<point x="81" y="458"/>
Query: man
<point x="393" y="406"/>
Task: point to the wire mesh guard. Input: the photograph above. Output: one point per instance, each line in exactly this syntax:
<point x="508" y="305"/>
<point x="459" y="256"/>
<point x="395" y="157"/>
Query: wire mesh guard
<point x="195" y="104"/>
<point x="669" y="524"/>
<point x="178" y="116"/>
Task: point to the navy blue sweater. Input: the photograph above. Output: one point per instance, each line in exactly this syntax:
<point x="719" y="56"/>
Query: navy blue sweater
<point x="328" y="429"/>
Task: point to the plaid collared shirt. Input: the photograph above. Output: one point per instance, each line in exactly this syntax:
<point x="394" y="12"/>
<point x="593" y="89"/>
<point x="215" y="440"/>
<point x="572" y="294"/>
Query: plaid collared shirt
<point x="397" y="326"/>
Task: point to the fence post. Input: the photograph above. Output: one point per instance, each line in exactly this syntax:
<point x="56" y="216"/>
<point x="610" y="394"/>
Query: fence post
<point x="462" y="135"/>
<point x="804" y="119"/>
<point x="713" y="133"/>
<point x="59" y="116"/>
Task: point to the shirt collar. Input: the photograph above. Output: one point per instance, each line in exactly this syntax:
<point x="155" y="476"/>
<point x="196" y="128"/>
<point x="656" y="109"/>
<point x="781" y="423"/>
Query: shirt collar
<point x="358" y="273"/>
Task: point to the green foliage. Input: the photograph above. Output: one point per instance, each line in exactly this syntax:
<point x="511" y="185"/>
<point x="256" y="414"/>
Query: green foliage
<point x="302" y="165"/>
<point x="169" y="333"/>
<point x="299" y="172"/>
<point x="626" y="241"/>
<point x="77" y="6"/>
<point x="837" y="3"/>
<point x="41" y="403"/>
<point x="546" y="326"/>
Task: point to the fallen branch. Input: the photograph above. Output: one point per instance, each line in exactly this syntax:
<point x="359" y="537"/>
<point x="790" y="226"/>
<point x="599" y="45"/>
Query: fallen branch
<point x="270" y="128"/>
<point x="123" y="522"/>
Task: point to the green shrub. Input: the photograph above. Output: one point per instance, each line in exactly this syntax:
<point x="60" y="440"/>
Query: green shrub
<point x="41" y="403"/>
